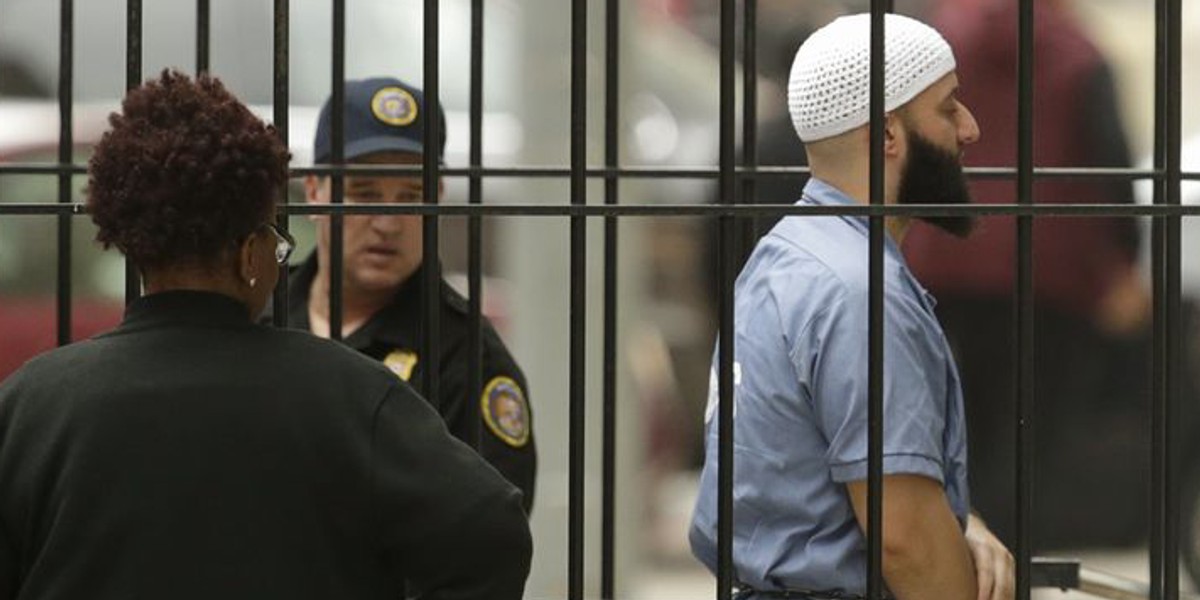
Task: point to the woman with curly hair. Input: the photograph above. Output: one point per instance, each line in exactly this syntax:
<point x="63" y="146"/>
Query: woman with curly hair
<point x="192" y="453"/>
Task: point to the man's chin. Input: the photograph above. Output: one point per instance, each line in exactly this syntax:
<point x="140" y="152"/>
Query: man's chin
<point x="957" y="226"/>
<point x="377" y="281"/>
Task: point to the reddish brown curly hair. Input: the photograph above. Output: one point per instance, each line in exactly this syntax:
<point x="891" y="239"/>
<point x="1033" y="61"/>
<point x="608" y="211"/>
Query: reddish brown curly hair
<point x="185" y="173"/>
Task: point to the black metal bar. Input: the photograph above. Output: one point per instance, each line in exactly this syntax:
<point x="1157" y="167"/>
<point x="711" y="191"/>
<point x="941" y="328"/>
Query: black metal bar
<point x="726" y="250"/>
<point x="133" y="78"/>
<point x="279" y="99"/>
<point x="474" y="222"/>
<point x="337" y="142"/>
<point x="578" y="304"/>
<point x="1023" y="314"/>
<point x="693" y="210"/>
<point x="1159" y="369"/>
<point x="747" y="230"/>
<point x="66" y="145"/>
<point x="612" y="61"/>
<point x="1174" y="322"/>
<point x="431" y="160"/>
<point x="875" y="585"/>
<point x="203" y="35"/>
<point x="740" y="172"/>
<point x="761" y="172"/>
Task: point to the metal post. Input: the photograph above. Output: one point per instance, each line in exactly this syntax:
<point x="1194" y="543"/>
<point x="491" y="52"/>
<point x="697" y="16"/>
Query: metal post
<point x="1024" y="359"/>
<point x="66" y="85"/>
<point x="875" y="377"/>
<point x="133" y="78"/>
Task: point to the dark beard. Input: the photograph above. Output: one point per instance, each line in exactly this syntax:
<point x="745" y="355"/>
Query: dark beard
<point x="935" y="176"/>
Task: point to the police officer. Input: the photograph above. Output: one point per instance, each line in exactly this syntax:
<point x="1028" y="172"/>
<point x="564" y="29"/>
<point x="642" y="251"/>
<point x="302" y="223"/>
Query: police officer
<point x="382" y="284"/>
<point x="193" y="454"/>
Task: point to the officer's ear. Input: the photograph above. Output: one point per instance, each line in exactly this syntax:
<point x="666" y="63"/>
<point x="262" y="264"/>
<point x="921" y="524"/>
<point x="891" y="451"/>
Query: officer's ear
<point x="316" y="191"/>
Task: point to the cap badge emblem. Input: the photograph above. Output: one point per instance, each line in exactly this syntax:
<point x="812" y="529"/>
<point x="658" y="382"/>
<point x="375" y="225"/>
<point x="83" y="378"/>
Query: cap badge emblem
<point x="394" y="105"/>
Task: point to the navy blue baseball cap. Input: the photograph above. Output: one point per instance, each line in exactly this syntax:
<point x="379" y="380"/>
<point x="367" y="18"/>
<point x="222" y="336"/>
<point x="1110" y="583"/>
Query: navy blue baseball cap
<point x="382" y="114"/>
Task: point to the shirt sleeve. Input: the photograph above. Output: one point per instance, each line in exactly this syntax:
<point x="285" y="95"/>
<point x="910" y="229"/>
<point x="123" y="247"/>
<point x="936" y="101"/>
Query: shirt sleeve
<point x="914" y="394"/>
<point x="452" y="524"/>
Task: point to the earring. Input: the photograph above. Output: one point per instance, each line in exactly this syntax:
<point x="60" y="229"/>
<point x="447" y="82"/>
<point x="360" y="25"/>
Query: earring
<point x="253" y="281"/>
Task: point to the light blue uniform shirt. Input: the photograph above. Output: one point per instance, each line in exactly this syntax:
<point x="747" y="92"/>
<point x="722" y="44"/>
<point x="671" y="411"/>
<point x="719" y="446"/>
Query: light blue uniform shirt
<point x="800" y="403"/>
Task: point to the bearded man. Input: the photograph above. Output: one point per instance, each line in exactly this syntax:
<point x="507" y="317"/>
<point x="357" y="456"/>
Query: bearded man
<point x="800" y="350"/>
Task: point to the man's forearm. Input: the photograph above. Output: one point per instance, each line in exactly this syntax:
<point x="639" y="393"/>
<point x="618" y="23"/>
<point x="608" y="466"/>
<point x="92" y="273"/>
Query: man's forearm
<point x="925" y="556"/>
<point x="931" y="567"/>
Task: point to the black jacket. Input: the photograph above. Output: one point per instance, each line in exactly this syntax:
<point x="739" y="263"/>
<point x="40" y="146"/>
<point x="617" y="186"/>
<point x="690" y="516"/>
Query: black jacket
<point x="495" y="417"/>
<point x="193" y="454"/>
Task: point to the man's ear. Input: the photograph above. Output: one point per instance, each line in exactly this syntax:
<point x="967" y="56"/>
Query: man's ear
<point x="893" y="134"/>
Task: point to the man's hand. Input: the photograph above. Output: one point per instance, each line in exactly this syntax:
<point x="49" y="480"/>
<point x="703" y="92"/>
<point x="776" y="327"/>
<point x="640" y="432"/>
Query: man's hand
<point x="993" y="562"/>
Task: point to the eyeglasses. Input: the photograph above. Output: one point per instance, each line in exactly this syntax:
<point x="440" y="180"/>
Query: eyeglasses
<point x="285" y="244"/>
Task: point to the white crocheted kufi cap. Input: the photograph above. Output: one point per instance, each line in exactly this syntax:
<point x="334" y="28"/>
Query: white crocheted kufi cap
<point x="829" y="87"/>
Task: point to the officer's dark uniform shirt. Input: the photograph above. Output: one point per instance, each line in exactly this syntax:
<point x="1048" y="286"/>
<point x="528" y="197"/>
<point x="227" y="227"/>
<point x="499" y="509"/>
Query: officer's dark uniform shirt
<point x="394" y="336"/>
<point x="193" y="454"/>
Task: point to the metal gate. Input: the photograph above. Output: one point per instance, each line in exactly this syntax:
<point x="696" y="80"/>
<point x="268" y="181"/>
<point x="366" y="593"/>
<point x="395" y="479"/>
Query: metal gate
<point x="737" y="181"/>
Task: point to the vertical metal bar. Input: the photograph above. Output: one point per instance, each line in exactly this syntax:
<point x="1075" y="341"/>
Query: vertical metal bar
<point x="430" y="174"/>
<point x="749" y="115"/>
<point x="726" y="257"/>
<point x="1160" y="370"/>
<point x="280" y="102"/>
<point x="875" y="375"/>
<point x="474" y="222"/>
<point x="1172" y="262"/>
<point x="203" y="12"/>
<point x="578" y="305"/>
<point x="612" y="61"/>
<point x="66" y="144"/>
<point x="337" y="142"/>
<point x="133" y="78"/>
<point x="1024" y="350"/>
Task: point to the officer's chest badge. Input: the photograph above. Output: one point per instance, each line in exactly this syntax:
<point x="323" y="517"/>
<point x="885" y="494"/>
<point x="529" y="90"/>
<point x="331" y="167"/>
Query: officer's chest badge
<point x="401" y="362"/>
<point x="394" y="106"/>
<point x="505" y="411"/>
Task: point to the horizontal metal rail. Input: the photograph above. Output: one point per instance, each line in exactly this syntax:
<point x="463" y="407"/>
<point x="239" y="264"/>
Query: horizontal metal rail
<point x="535" y="171"/>
<point x="690" y="210"/>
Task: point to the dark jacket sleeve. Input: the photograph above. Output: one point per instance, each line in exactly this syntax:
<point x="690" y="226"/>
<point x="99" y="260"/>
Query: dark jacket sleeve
<point x="8" y="566"/>
<point x="518" y="463"/>
<point x="472" y="414"/>
<point x="8" y="544"/>
<point x="452" y="524"/>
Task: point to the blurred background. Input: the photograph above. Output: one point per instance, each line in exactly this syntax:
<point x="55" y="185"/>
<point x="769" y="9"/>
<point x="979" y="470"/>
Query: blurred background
<point x="1094" y="98"/>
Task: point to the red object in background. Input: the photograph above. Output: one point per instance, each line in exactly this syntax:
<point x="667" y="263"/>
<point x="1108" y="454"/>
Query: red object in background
<point x="28" y="327"/>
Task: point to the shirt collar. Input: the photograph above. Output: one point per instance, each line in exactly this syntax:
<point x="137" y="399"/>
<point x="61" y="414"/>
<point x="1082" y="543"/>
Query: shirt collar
<point x="823" y="194"/>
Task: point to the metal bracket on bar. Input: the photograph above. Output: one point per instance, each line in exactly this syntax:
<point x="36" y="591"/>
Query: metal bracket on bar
<point x="1069" y="574"/>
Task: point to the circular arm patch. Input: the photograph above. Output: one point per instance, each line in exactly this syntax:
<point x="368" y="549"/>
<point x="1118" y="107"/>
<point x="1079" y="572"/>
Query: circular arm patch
<point x="505" y="411"/>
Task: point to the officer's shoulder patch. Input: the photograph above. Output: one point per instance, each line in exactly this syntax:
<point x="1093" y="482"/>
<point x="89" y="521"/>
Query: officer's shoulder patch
<point x="505" y="411"/>
<point x="401" y="362"/>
